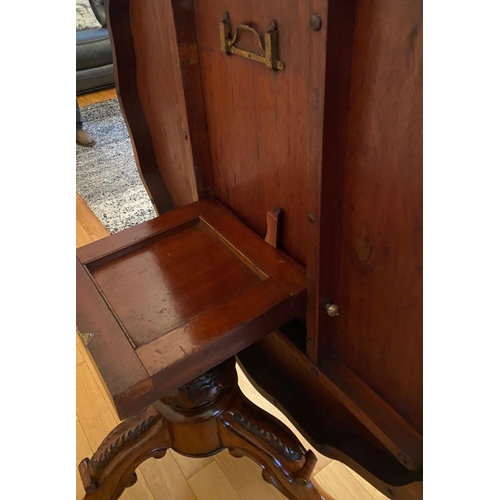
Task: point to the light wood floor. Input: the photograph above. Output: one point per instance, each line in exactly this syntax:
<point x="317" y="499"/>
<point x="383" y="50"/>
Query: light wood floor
<point x="174" y="476"/>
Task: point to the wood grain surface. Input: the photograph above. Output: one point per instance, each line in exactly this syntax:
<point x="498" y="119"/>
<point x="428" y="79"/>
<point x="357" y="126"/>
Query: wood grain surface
<point x="380" y="322"/>
<point x="173" y="476"/>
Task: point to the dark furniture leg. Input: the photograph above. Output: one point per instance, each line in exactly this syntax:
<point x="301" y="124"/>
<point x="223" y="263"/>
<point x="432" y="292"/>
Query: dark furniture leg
<point x="202" y="418"/>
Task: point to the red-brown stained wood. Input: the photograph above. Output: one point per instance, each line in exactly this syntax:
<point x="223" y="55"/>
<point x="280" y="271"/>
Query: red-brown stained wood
<point x="189" y="62"/>
<point x="380" y="418"/>
<point x="330" y="68"/>
<point x="202" y="418"/>
<point x="161" y="93"/>
<point x="291" y="382"/>
<point x="177" y="296"/>
<point x="93" y="316"/>
<point x="120" y="242"/>
<point x="274" y="262"/>
<point x="125" y="68"/>
<point x="257" y="118"/>
<point x="380" y="322"/>
<point x="385" y="425"/>
<point x="231" y="326"/>
<point x="174" y="280"/>
<point x="273" y="219"/>
<point x="335" y="140"/>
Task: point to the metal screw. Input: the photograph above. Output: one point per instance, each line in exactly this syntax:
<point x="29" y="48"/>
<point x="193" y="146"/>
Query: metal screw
<point x="315" y="22"/>
<point x="310" y="216"/>
<point x="310" y="341"/>
<point x="332" y="309"/>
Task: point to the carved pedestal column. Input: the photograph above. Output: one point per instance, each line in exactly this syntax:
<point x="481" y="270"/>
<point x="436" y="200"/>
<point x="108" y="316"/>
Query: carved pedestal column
<point x="202" y="418"/>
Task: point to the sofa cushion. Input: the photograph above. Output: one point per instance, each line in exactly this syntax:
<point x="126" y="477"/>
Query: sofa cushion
<point x="93" y="48"/>
<point x="99" y="12"/>
<point x="94" y="78"/>
<point x="85" y="17"/>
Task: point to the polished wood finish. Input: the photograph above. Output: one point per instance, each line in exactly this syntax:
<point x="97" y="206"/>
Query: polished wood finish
<point x="380" y="325"/>
<point x="176" y="476"/>
<point x="273" y="227"/>
<point x="258" y="159"/>
<point x="202" y="418"/>
<point x="335" y="140"/>
<point x="93" y="97"/>
<point x="328" y="112"/>
<point x="172" y="297"/>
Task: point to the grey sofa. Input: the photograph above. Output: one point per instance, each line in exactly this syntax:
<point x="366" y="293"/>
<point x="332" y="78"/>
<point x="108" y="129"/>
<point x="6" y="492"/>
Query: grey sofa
<point x="94" y="60"/>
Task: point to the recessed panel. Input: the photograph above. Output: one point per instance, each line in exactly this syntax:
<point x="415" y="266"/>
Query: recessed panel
<point x="173" y="280"/>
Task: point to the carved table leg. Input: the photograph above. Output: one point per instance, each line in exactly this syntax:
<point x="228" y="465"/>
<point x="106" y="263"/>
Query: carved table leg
<point x="246" y="429"/>
<point x="112" y="467"/>
<point x="201" y="418"/>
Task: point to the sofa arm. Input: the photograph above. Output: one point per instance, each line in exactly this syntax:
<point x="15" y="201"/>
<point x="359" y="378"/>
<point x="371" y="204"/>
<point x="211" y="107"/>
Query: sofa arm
<point x="99" y="12"/>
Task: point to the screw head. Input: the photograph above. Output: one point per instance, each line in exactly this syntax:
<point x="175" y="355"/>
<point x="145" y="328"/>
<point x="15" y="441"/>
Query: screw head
<point x="315" y="22"/>
<point x="332" y="309"/>
<point x="310" y="216"/>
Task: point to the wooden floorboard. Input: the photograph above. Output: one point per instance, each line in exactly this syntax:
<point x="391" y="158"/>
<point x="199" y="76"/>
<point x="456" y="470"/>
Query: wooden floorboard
<point x="174" y="476"/>
<point x="211" y="482"/>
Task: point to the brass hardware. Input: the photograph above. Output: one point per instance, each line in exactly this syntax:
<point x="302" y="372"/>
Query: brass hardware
<point x="315" y="22"/>
<point x="332" y="309"/>
<point x="86" y="338"/>
<point x="270" y="56"/>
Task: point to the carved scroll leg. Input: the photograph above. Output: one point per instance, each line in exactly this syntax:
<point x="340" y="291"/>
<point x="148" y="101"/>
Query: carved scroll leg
<point x="245" y="429"/>
<point x="112" y="467"/>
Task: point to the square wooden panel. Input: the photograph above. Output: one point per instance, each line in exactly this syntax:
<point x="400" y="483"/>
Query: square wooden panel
<point x="173" y="280"/>
<point x="173" y="297"/>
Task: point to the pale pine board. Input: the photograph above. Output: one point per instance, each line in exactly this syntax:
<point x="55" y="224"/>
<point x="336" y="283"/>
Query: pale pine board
<point x="102" y="95"/>
<point x="211" y="483"/>
<point x="340" y="482"/>
<point x="190" y="466"/>
<point x="79" y="357"/>
<point x="88" y="226"/>
<point x="245" y="476"/>
<point x="165" y="479"/>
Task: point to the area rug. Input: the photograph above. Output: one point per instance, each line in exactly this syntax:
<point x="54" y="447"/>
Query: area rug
<point x="106" y="174"/>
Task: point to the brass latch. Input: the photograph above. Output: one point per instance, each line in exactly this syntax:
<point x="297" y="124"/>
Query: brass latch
<point x="270" y="55"/>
